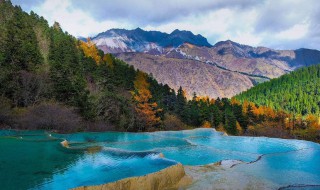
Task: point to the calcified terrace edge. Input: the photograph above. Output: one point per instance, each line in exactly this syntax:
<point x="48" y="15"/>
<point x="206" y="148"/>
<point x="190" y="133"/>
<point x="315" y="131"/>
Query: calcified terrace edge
<point x="170" y="177"/>
<point x="175" y="177"/>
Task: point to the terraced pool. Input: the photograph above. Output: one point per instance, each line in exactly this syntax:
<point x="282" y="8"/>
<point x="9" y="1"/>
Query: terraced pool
<point x="36" y="159"/>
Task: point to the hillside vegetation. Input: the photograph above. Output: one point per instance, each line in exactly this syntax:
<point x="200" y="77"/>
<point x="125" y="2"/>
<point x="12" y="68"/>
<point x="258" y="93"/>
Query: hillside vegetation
<point x="297" y="92"/>
<point x="50" y="80"/>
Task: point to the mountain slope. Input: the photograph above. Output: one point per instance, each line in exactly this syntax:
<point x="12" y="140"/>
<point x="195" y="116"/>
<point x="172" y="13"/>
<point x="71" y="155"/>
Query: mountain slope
<point x="191" y="75"/>
<point x="297" y="92"/>
<point x="238" y="62"/>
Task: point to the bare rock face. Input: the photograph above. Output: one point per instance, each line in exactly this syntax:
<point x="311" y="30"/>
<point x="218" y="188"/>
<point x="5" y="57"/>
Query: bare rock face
<point x="164" y="179"/>
<point x="224" y="70"/>
<point x="191" y="75"/>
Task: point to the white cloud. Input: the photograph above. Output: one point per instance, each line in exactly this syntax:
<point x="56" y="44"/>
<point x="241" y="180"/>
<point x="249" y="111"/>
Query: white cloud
<point x="218" y="25"/>
<point x="74" y="21"/>
<point x="248" y="39"/>
<point x="272" y="23"/>
<point x="298" y="31"/>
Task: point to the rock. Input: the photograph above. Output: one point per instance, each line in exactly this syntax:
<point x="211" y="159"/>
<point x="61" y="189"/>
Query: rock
<point x="163" y="179"/>
<point x="230" y="163"/>
<point x="94" y="149"/>
<point x="65" y="144"/>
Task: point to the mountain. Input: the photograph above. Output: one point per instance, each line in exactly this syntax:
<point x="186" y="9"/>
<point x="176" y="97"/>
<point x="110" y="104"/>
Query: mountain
<point x="138" y="40"/>
<point x="184" y="59"/>
<point x="191" y="75"/>
<point x="296" y="92"/>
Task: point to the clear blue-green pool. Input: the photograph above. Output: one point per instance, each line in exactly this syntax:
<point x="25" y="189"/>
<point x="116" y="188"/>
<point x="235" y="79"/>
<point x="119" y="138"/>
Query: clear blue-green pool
<point x="36" y="159"/>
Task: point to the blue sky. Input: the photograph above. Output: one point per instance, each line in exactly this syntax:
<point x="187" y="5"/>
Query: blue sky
<point x="280" y="24"/>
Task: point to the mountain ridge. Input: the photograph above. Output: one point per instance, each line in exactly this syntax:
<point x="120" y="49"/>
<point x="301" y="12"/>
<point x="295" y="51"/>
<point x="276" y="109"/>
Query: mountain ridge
<point x="153" y="48"/>
<point x="138" y="40"/>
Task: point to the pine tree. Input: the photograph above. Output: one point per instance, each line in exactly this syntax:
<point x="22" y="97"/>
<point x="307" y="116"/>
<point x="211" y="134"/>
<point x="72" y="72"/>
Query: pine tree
<point x="180" y="102"/>
<point x="230" y="122"/>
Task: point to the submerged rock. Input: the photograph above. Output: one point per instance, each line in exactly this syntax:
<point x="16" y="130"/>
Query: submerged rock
<point x="161" y="155"/>
<point x="167" y="178"/>
<point x="65" y="144"/>
<point x="94" y="149"/>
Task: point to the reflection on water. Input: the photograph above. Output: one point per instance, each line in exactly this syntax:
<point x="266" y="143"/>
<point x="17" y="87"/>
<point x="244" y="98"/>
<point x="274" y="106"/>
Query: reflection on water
<point x="36" y="159"/>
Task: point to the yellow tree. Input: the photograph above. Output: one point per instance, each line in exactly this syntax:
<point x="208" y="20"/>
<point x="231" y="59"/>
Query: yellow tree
<point x="245" y="107"/>
<point x="90" y="50"/>
<point x="313" y="121"/>
<point x="108" y="59"/>
<point x="146" y="110"/>
<point x="235" y="101"/>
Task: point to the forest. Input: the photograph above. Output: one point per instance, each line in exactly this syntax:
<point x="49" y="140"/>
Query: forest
<point x="297" y="92"/>
<point x="52" y="81"/>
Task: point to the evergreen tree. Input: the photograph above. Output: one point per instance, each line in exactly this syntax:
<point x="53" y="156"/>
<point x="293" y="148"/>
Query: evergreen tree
<point x="230" y="121"/>
<point x="180" y="102"/>
<point x="296" y="92"/>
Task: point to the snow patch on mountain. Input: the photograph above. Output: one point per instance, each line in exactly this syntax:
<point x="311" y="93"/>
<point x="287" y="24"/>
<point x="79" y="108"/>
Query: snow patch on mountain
<point x="152" y="46"/>
<point x="113" y="42"/>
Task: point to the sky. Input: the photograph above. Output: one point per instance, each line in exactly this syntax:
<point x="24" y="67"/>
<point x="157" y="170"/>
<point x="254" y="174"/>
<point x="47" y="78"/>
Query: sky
<point x="279" y="24"/>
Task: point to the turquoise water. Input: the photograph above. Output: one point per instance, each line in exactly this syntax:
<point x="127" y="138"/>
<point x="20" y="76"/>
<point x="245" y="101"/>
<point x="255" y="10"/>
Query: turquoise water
<point x="36" y="159"/>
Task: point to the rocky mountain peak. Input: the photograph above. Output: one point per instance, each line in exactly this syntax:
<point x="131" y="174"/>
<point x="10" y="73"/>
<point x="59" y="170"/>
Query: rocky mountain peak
<point x="139" y="40"/>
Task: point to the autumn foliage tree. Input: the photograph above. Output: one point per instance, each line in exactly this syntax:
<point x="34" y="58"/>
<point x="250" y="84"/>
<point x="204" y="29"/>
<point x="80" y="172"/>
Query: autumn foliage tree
<point x="90" y="50"/>
<point x="146" y="110"/>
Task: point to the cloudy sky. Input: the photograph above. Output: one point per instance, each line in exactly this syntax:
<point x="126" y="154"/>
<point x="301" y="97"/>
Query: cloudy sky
<point x="280" y="24"/>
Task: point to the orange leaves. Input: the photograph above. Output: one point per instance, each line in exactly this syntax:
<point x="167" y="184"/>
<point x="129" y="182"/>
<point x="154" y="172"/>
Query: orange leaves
<point x="235" y="101"/>
<point x="239" y="128"/>
<point x="204" y="99"/>
<point x="245" y="107"/>
<point x="146" y="110"/>
<point x="206" y="124"/>
<point x="313" y="122"/>
<point x="141" y="82"/>
<point x="264" y="110"/>
<point x="90" y="50"/>
<point x="257" y="111"/>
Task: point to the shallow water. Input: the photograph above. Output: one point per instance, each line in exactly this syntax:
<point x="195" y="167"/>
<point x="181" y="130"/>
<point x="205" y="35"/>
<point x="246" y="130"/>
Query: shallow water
<point x="36" y="159"/>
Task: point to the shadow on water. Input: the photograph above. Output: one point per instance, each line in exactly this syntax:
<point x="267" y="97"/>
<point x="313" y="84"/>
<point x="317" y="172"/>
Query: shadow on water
<point x="24" y="164"/>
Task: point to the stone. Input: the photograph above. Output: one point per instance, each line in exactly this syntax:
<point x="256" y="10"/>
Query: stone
<point x="65" y="144"/>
